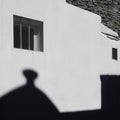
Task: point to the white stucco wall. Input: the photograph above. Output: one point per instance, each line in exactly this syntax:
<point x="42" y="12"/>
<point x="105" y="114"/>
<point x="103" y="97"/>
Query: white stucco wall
<point x="74" y="55"/>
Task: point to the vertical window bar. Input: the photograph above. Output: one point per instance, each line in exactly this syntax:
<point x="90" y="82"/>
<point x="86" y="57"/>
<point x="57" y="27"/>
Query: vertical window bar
<point x="29" y="37"/>
<point x="20" y="35"/>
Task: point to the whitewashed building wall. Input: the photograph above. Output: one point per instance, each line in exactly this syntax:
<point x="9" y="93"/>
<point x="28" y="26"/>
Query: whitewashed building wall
<point x="75" y="53"/>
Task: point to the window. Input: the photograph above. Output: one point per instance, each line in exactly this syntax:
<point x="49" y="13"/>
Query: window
<point x="114" y="54"/>
<point x="28" y="34"/>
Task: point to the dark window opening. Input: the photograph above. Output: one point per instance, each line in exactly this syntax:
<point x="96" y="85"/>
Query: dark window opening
<point x="31" y="39"/>
<point x="25" y="37"/>
<point x="17" y="36"/>
<point x="114" y="54"/>
<point x="28" y="34"/>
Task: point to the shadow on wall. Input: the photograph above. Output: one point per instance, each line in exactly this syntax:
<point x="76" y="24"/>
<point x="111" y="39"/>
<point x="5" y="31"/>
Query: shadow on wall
<point x="29" y="103"/>
<point x="111" y="96"/>
<point x="110" y="102"/>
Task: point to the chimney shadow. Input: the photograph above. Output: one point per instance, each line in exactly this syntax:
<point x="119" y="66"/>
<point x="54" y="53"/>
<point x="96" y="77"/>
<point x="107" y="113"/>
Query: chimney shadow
<point x="27" y="102"/>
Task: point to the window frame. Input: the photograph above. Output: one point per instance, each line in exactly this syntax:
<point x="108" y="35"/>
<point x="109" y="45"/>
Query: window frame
<point x="29" y="23"/>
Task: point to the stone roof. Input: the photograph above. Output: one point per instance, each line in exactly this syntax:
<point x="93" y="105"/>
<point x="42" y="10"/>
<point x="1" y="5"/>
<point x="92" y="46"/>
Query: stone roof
<point x="109" y="10"/>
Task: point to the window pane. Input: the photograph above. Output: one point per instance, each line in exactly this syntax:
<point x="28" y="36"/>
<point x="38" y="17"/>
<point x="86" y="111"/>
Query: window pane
<point x="38" y="37"/>
<point x="31" y="39"/>
<point x="16" y="36"/>
<point x="41" y="37"/>
<point x="24" y="37"/>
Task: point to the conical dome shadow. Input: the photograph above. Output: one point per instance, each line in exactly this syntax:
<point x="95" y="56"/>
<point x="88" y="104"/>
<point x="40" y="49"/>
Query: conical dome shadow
<point x="28" y="102"/>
